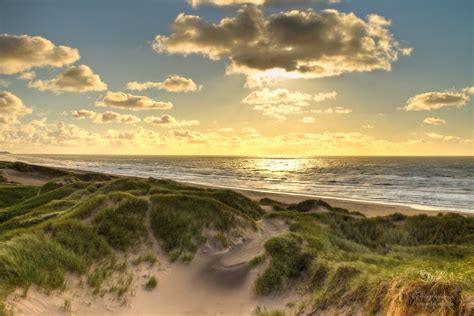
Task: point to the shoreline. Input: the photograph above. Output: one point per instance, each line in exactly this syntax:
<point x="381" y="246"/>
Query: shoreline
<point x="368" y="208"/>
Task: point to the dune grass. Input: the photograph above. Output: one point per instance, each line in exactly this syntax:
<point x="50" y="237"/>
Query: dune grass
<point x="34" y="259"/>
<point x="370" y="263"/>
<point x="287" y="261"/>
<point x="11" y="194"/>
<point x="82" y="223"/>
<point x="122" y="225"/>
<point x="178" y="221"/>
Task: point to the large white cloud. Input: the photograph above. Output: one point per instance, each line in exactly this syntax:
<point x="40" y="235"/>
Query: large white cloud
<point x="11" y="107"/>
<point x="21" y="53"/>
<point x="106" y="117"/>
<point x="73" y="79"/>
<point x="291" y="44"/>
<point x="169" y="121"/>
<point x="173" y="83"/>
<point x="132" y="102"/>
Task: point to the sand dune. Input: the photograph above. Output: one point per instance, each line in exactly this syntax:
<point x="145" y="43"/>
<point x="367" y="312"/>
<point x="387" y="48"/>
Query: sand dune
<point x="216" y="282"/>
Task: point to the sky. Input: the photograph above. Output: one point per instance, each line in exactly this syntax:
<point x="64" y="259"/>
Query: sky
<point x="237" y="77"/>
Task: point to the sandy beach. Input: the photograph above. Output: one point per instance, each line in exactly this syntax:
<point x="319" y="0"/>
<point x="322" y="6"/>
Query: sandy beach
<point x="369" y="209"/>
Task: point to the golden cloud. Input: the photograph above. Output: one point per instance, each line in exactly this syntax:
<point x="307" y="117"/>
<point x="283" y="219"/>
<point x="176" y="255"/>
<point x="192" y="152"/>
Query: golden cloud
<point x="132" y="102"/>
<point x="291" y="44"/>
<point x="73" y="79"/>
<point x="11" y="107"/>
<point x="21" y="53"/>
<point x="173" y="83"/>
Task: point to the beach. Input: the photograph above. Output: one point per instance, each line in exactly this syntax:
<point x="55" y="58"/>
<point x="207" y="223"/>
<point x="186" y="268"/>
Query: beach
<point x="369" y="209"/>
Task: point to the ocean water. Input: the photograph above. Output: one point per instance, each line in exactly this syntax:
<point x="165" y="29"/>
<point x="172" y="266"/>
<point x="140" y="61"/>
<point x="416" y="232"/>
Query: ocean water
<point x="435" y="183"/>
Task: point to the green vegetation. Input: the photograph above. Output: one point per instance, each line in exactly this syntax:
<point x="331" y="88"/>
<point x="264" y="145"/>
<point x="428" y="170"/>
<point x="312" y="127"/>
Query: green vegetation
<point x="287" y="261"/>
<point x="150" y="259"/>
<point x="11" y="194"/>
<point x="257" y="260"/>
<point x="263" y="312"/>
<point x="123" y="225"/>
<point x="394" y="264"/>
<point x="151" y="283"/>
<point x="178" y="221"/>
<point x="84" y="223"/>
<point x="78" y="223"/>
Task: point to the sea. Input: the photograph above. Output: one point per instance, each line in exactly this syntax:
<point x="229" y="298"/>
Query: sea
<point x="428" y="183"/>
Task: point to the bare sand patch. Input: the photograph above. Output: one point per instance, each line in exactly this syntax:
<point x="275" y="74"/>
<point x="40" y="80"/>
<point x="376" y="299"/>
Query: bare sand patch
<point x="24" y="178"/>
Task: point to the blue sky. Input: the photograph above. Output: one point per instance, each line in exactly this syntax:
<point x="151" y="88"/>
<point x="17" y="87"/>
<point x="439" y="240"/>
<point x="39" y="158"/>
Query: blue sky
<point x="114" y="39"/>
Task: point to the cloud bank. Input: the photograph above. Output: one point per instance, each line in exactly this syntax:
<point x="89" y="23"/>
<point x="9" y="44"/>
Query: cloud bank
<point x="21" y="53"/>
<point x="291" y="44"/>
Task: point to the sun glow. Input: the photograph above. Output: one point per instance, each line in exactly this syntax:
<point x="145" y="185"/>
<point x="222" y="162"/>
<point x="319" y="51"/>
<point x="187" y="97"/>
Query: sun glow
<point x="278" y="165"/>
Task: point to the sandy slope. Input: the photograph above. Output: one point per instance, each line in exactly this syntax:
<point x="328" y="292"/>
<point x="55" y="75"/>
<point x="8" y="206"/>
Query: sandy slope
<point x="24" y="178"/>
<point x="214" y="283"/>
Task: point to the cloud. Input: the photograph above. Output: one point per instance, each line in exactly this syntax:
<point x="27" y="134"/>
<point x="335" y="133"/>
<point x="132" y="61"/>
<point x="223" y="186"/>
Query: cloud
<point x="434" y="121"/>
<point x="82" y="114"/>
<point x="59" y="137"/>
<point x="169" y="121"/>
<point x="368" y="126"/>
<point x="334" y="110"/>
<point x="279" y="96"/>
<point x="444" y="137"/>
<point x="436" y="100"/>
<point x="469" y="90"/>
<point x="249" y="130"/>
<point x="279" y="103"/>
<point x="27" y="75"/>
<point x="278" y="112"/>
<point x="173" y="83"/>
<point x="196" y="3"/>
<point x="132" y="102"/>
<point x="106" y="117"/>
<point x="73" y="79"/>
<point x="308" y="119"/>
<point x="21" y="53"/>
<point x="226" y="130"/>
<point x="191" y="137"/>
<point x="291" y="44"/>
<point x="11" y="107"/>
